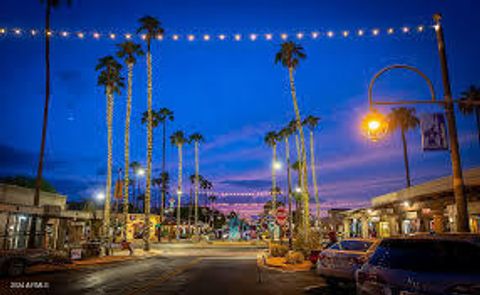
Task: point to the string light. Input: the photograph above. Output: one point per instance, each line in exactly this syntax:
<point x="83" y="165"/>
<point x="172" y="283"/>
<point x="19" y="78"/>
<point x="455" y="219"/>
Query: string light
<point x="236" y="37"/>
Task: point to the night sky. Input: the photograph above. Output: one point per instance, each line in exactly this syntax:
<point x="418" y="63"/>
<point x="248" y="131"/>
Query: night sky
<point x="232" y="92"/>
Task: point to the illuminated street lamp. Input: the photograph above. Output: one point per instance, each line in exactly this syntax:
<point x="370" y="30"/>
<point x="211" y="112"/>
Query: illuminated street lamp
<point x="141" y="172"/>
<point x="277" y="165"/>
<point x="298" y="190"/>
<point x="374" y="125"/>
<point x="100" y="196"/>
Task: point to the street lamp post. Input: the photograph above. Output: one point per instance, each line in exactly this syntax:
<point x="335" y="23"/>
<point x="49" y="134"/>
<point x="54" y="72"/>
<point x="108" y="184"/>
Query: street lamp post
<point x="375" y="124"/>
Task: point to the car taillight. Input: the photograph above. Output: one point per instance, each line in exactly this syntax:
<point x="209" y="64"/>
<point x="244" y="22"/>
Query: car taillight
<point x="321" y="256"/>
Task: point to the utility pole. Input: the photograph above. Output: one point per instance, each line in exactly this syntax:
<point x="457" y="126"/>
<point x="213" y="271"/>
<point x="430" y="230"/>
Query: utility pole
<point x="458" y="185"/>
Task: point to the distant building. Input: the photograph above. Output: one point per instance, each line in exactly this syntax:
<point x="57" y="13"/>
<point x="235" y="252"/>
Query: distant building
<point x="427" y="207"/>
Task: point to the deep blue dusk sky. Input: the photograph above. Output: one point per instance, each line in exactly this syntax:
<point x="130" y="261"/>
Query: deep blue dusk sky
<point x="232" y="92"/>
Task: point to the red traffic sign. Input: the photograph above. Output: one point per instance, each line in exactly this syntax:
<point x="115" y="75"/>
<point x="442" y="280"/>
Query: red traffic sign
<point x="281" y="215"/>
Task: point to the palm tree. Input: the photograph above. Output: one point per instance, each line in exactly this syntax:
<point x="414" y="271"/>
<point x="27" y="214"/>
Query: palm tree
<point x="271" y="139"/>
<point x="135" y="166"/>
<point x="289" y="56"/>
<point x="178" y="139"/>
<point x="470" y="103"/>
<point x="212" y="199"/>
<point x="165" y="178"/>
<point x="38" y="181"/>
<point x="284" y="134"/>
<point x="403" y="119"/>
<point x="109" y="78"/>
<point x="196" y="138"/>
<point x="312" y="122"/>
<point x="152" y="28"/>
<point x="129" y="52"/>
<point x="165" y="115"/>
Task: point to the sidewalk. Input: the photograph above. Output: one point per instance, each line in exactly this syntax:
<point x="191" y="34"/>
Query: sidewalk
<point x="118" y="256"/>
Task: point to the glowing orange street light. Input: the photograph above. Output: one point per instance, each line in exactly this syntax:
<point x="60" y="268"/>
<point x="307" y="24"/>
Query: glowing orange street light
<point x="374" y="125"/>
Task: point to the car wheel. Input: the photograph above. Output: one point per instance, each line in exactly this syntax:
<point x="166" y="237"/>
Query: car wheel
<point x="16" y="267"/>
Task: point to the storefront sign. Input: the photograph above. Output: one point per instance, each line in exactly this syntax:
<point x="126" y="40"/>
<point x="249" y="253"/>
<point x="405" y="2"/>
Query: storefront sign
<point x="76" y="254"/>
<point x="411" y="215"/>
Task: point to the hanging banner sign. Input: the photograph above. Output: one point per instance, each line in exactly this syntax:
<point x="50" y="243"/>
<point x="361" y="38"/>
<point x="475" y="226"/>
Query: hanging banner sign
<point x="118" y="193"/>
<point x="434" y="132"/>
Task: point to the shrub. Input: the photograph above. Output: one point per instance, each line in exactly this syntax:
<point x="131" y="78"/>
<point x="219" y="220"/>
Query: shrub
<point x="306" y="245"/>
<point x="277" y="250"/>
<point x="294" y="257"/>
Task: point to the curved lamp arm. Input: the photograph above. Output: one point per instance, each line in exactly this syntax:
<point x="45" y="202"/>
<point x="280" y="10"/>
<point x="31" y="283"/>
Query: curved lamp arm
<point x="405" y="67"/>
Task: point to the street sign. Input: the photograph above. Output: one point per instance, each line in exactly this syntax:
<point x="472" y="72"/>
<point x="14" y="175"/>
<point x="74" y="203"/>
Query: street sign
<point x="281" y="215"/>
<point x="434" y="132"/>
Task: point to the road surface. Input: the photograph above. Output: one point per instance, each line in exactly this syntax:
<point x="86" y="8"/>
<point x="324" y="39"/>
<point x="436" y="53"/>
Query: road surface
<point x="223" y="271"/>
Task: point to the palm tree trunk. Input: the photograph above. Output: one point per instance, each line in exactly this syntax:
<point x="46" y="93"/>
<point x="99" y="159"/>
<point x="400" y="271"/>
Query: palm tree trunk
<point x="289" y="192"/>
<point x="179" y="189"/>
<point x="38" y="180"/>
<point x="149" y="151"/>
<point x="108" y="189"/>
<point x="197" y="171"/>
<point x="164" y="135"/>
<point x="405" y="158"/>
<point x="127" y="150"/>
<point x="302" y="151"/>
<point x="314" y="179"/>
<point x="298" y="206"/>
<point x="274" y="180"/>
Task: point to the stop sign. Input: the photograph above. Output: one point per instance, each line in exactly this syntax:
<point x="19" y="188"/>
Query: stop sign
<point x="281" y="215"/>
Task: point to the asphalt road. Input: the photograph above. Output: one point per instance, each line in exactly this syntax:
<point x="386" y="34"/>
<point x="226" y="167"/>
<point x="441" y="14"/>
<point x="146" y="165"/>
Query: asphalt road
<point x="216" y="274"/>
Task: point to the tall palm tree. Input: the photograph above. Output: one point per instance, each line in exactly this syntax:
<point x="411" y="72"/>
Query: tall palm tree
<point x="271" y="139"/>
<point x="38" y="181"/>
<point x="135" y="166"/>
<point x="152" y="28"/>
<point x="178" y="139"/>
<point x="289" y="56"/>
<point x="403" y="119"/>
<point x="212" y="199"/>
<point x="470" y="103"/>
<point x="109" y="78"/>
<point x="165" y="178"/>
<point x="312" y="122"/>
<point x="128" y="51"/>
<point x="284" y="134"/>
<point x="165" y="115"/>
<point x="196" y="138"/>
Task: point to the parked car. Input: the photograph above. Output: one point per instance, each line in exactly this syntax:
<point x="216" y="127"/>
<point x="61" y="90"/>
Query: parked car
<point x="14" y="262"/>
<point x="315" y="253"/>
<point x="422" y="265"/>
<point x="342" y="259"/>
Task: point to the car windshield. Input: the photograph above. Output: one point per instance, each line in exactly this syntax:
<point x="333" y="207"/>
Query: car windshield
<point x="350" y="245"/>
<point x="428" y="256"/>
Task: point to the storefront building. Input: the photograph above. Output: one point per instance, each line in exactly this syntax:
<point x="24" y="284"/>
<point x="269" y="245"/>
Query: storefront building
<point x="427" y="207"/>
